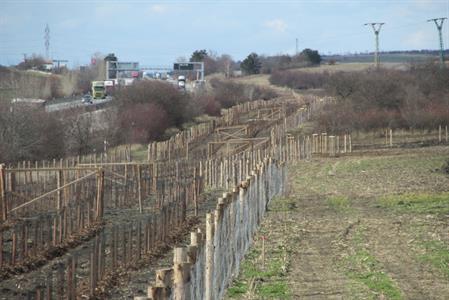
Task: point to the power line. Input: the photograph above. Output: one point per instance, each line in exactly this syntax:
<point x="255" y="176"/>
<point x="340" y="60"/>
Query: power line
<point x="439" y="23"/>
<point x="376" y="28"/>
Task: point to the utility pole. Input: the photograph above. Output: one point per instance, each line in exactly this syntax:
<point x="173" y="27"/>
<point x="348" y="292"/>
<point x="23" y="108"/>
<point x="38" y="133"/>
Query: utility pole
<point x="47" y="41"/>
<point x="296" y="53"/>
<point x="439" y="23"/>
<point x="376" y="28"/>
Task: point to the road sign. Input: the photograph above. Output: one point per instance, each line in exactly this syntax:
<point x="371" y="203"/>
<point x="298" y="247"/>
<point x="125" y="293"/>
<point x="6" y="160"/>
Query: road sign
<point x="183" y="66"/>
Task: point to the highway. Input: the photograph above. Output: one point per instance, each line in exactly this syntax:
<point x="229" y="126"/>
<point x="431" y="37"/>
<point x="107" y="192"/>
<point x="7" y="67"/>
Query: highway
<point x="74" y="103"/>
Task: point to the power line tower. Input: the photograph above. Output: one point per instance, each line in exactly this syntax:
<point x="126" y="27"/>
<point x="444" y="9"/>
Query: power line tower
<point x="47" y="41"/>
<point x="376" y="28"/>
<point x="439" y="23"/>
<point x="296" y="52"/>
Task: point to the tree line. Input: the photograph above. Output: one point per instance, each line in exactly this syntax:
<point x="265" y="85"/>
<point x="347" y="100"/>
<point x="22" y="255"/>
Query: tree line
<point x="377" y="99"/>
<point x="254" y="63"/>
<point x="143" y="112"/>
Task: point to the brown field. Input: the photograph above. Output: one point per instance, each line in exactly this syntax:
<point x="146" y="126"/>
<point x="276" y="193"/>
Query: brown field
<point x="366" y="226"/>
<point x="262" y="79"/>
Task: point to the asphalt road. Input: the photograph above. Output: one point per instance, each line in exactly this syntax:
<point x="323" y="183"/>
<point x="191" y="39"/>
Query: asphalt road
<point x="73" y="104"/>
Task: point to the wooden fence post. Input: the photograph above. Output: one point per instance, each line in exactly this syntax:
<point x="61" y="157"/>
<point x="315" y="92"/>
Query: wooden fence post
<point x="162" y="288"/>
<point x="391" y="137"/>
<point x="209" y="276"/>
<point x="195" y="197"/>
<point x="350" y="144"/>
<point x="100" y="195"/>
<point x="59" y="193"/>
<point x="445" y="129"/>
<point x="49" y="286"/>
<point x="60" y="282"/>
<point x="181" y="274"/>
<point x="4" y="206"/>
<point x="386" y="137"/>
<point x="332" y="146"/>
<point x="139" y="186"/>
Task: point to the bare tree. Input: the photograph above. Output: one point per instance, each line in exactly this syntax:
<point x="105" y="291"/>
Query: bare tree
<point x="79" y="133"/>
<point x="29" y="134"/>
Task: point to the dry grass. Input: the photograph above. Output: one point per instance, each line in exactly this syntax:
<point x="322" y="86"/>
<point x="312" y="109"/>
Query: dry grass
<point x="351" y="67"/>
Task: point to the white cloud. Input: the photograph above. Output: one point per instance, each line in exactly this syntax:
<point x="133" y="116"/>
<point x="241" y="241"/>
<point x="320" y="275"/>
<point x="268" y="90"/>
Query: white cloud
<point x="277" y="25"/>
<point x="420" y="39"/>
<point x="158" y="8"/>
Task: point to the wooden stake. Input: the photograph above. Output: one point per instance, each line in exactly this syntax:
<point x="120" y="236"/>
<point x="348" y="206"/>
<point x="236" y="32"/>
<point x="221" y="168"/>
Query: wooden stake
<point x="4" y="214"/>
<point x="100" y="195"/>
<point x="59" y="192"/>
<point x="49" y="286"/>
<point x="60" y="282"/>
<point x="445" y="129"/>
<point x="181" y="275"/>
<point x="139" y="186"/>
<point x="209" y="276"/>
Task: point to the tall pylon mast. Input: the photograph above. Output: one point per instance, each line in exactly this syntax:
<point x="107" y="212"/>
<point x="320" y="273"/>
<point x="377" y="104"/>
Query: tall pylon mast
<point x="47" y="42"/>
<point x="439" y="23"/>
<point x="376" y="28"/>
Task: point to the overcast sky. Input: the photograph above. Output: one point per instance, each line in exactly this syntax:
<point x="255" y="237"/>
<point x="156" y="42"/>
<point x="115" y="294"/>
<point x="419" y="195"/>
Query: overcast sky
<point x="157" y="32"/>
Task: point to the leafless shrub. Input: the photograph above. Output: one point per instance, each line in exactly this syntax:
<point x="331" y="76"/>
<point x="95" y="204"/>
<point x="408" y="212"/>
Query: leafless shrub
<point x="29" y="134"/>
<point x="299" y="80"/>
<point x="229" y="93"/>
<point x="144" y="122"/>
<point x="372" y="99"/>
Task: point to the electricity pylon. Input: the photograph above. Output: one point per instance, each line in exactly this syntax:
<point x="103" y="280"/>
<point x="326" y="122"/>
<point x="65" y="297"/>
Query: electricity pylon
<point x="47" y="41"/>
<point x="439" y="23"/>
<point x="376" y="28"/>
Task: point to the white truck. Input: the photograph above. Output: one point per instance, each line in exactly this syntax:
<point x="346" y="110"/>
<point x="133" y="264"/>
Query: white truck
<point x="181" y="81"/>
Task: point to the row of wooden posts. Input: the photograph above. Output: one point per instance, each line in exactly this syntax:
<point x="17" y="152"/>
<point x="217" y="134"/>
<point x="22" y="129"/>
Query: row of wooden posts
<point x="115" y="249"/>
<point x="203" y="269"/>
<point x="28" y="191"/>
<point x="83" y="191"/>
<point x="181" y="144"/>
<point x="56" y="179"/>
<point x="440" y="135"/>
<point x="271" y="180"/>
<point x="51" y="222"/>
<point x="331" y="144"/>
<point x="178" y="145"/>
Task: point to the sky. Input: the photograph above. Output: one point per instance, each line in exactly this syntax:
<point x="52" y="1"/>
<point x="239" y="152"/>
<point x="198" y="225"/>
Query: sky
<point x="157" y="33"/>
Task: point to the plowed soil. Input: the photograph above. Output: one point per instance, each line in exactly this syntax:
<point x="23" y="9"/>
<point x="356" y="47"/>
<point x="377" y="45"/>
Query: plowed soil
<point x="356" y="227"/>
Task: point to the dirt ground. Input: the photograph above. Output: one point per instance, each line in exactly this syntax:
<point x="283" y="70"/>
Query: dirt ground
<point x="365" y="226"/>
